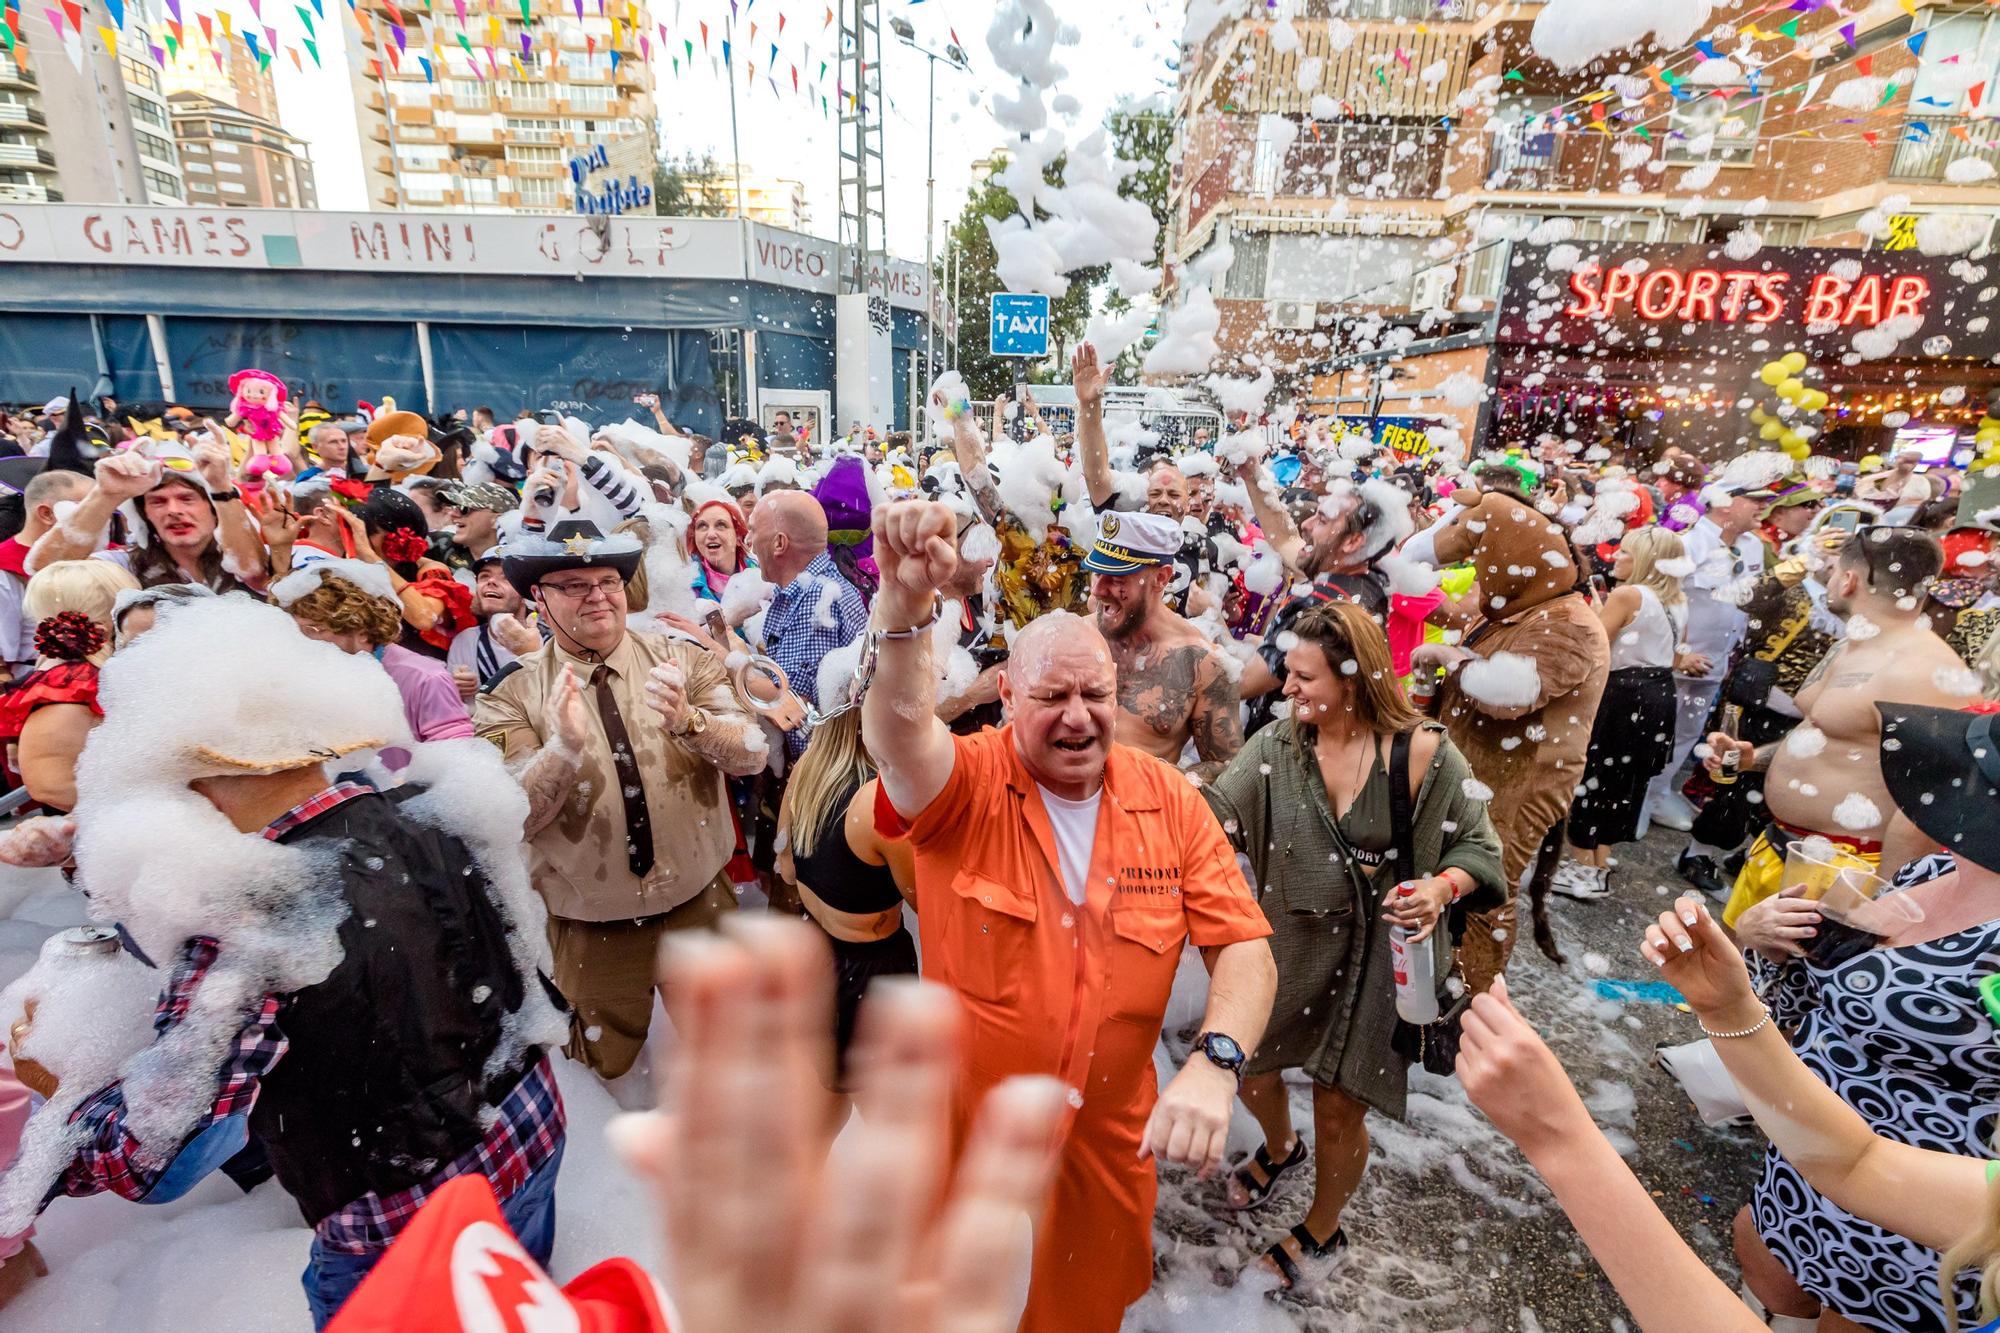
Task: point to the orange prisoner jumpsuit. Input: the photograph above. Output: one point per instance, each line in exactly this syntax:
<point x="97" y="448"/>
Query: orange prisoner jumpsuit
<point x="1078" y="992"/>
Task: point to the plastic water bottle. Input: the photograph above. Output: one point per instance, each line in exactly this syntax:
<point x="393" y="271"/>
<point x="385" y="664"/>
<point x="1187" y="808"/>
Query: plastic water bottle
<point x="1416" y="973"/>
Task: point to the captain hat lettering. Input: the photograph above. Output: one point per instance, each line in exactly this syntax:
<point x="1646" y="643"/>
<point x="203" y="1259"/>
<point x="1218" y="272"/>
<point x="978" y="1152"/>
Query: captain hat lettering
<point x="1129" y="542"/>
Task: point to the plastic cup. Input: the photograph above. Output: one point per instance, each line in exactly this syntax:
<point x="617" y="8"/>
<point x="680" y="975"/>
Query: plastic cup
<point x="1818" y="864"/>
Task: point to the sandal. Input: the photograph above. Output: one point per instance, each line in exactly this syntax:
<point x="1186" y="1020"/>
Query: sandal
<point x="1309" y="1248"/>
<point x="1259" y="1192"/>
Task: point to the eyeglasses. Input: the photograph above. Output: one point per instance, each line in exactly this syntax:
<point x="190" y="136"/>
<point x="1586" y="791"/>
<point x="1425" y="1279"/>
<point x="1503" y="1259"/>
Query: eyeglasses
<point x="608" y="587"/>
<point x="177" y="464"/>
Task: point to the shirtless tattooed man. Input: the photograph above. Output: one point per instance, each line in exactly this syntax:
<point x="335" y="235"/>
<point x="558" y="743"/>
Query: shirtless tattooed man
<point x="1825" y="776"/>
<point x="1174" y="686"/>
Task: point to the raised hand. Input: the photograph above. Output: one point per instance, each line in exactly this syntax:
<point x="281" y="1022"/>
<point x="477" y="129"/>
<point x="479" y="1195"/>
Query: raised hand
<point x="917" y="554"/>
<point x="1088" y="376"/>
<point x="1510" y="1073"/>
<point x="569" y="717"/>
<point x="1699" y="961"/>
<point x="126" y="476"/>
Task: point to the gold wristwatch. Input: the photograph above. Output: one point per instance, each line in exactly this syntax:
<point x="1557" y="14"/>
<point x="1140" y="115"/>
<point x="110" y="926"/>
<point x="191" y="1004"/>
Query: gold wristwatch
<point x="693" y="722"/>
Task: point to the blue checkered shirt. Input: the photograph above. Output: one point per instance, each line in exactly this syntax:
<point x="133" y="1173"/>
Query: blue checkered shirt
<point x="809" y="617"/>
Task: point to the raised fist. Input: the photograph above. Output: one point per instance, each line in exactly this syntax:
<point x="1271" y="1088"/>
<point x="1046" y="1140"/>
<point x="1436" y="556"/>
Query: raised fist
<point x="916" y="553"/>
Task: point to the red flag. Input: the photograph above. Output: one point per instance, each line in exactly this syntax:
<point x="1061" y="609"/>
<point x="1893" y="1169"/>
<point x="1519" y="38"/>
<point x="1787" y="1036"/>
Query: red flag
<point x="74" y="12"/>
<point x="704" y="36"/>
<point x="1865" y="65"/>
<point x="781" y="25"/>
<point x="829" y="17"/>
<point x="795" y="78"/>
<point x="207" y="28"/>
<point x="1870" y="136"/>
<point x="1975" y="92"/>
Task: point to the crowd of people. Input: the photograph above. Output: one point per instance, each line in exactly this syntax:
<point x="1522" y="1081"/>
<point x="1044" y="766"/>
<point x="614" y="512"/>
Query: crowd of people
<point x="532" y="722"/>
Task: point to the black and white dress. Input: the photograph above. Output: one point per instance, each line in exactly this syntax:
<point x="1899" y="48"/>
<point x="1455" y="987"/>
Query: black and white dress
<point x="1902" y="1036"/>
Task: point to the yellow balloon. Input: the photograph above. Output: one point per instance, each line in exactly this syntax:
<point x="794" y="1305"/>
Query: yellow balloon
<point x="1771" y="430"/>
<point x="1790" y="389"/>
<point x="1870" y="462"/>
<point x="1798" y="452"/>
<point x="1793" y="362"/>
<point x="1989" y="423"/>
<point x="1759" y="415"/>
<point x="1813" y="400"/>
<point x="1791" y="439"/>
<point x="1774" y="373"/>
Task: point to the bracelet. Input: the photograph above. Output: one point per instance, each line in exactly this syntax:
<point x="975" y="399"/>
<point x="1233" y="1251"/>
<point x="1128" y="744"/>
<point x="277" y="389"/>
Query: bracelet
<point x="937" y="611"/>
<point x="956" y="408"/>
<point x="1750" y="1031"/>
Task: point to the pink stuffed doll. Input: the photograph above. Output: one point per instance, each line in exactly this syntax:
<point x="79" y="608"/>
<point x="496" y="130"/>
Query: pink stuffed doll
<point x="257" y="408"/>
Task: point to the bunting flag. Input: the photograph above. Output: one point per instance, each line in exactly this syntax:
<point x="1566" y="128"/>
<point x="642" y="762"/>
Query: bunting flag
<point x="1847" y="35"/>
<point x="725" y="51"/>
<point x="1888" y="95"/>
<point x="159" y="56"/>
<point x="109" y="36"/>
<point x="305" y="17"/>
<point x="1975" y="92"/>
<point x="773" y="62"/>
<point x="293" y="52"/>
<point x="312" y="49"/>
<point x="428" y="76"/>
<point x="829" y="18"/>
<point x="1864" y="65"/>
<point x="614" y="58"/>
<point x="402" y="36"/>
<point x="1812" y="87"/>
<point x="117" y="8"/>
<point x="207" y="29"/>
<point x="250" y="40"/>
<point x="1916" y="42"/>
<point x="704" y="41"/>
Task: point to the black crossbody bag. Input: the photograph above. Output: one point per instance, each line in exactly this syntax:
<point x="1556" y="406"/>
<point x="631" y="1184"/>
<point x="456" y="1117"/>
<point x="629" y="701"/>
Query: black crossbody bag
<point x="1433" y="1045"/>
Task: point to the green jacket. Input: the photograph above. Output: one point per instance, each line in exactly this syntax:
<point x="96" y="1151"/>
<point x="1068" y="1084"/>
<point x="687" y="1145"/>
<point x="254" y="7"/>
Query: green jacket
<point x="1336" y="1001"/>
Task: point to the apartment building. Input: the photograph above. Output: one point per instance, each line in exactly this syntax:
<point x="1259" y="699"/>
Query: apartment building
<point x="224" y="72"/>
<point x="1372" y="188"/>
<point x="230" y="157"/>
<point x="768" y="199"/>
<point x="27" y="155"/>
<point x="96" y="108"/>
<point x="499" y="142"/>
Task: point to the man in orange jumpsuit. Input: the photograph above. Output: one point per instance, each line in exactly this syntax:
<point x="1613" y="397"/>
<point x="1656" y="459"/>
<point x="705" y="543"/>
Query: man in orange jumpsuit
<point x="1058" y="877"/>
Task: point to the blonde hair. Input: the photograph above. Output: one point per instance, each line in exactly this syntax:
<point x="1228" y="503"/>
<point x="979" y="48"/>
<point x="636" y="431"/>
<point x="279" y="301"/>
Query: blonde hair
<point x="1980" y="1250"/>
<point x="339" y="607"/>
<point x="836" y="762"/>
<point x="1342" y="630"/>
<point x="89" y="587"/>
<point x="1648" y="547"/>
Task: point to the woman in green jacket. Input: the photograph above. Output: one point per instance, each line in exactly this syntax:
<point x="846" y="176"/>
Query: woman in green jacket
<point x="1307" y="802"/>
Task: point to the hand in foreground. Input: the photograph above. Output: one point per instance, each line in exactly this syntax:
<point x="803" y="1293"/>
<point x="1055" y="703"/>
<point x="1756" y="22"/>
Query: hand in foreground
<point x="917" y="553"/>
<point x="1418" y="912"/>
<point x="211" y="461"/>
<point x="38" y="843"/>
<point x="516" y="637"/>
<point x="1510" y="1073"/>
<point x="568" y="717"/>
<point x="1087" y="376"/>
<point x="1720" y="744"/>
<point x="467" y="682"/>
<point x="126" y="476"/>
<point x="769" y="1232"/>
<point x="1190" y="1121"/>
<point x="1775" y="927"/>
<point x="666" y="691"/>
<point x="1698" y="960"/>
<point x="1438" y="656"/>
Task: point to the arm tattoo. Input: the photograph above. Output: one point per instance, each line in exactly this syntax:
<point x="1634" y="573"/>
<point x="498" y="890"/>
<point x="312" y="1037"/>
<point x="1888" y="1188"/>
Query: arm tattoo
<point x="1218" y="733"/>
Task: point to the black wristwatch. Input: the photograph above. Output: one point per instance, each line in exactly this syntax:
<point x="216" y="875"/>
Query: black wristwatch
<point x="224" y="497"/>
<point x="1222" y="1051"/>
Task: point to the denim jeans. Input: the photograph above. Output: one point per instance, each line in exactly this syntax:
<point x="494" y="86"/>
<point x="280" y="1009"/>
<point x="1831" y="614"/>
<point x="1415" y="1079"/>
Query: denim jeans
<point x="331" y="1277"/>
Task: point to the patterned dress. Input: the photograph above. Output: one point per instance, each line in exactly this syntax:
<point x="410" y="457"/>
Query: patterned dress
<point x="1901" y="1035"/>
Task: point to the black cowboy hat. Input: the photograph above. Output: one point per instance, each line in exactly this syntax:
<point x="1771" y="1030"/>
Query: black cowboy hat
<point x="571" y="544"/>
<point x="1942" y="767"/>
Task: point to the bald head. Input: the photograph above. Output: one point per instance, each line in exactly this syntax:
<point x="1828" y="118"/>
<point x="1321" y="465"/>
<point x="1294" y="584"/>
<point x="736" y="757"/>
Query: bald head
<point x="1060" y="691"/>
<point x="787" y="533"/>
<point x="1167" y="490"/>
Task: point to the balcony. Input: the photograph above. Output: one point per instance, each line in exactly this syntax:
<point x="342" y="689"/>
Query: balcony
<point x="1930" y="158"/>
<point x="26" y="155"/>
<point x="1329" y="160"/>
<point x="12" y="74"/>
<point x="1576" y="161"/>
<point x="33" y="193"/>
<point x="12" y="113"/>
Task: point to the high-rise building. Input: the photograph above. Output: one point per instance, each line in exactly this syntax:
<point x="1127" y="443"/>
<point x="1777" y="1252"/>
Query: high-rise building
<point x="1375" y="159"/>
<point x="773" y="200"/>
<point x="494" y="129"/>
<point x="224" y="72"/>
<point x="233" y="158"/>
<point x="103" y="114"/>
<point x="27" y="154"/>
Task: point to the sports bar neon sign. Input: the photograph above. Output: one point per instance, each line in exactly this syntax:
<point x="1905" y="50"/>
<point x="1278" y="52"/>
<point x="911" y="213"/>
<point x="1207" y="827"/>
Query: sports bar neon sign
<point x="1741" y="296"/>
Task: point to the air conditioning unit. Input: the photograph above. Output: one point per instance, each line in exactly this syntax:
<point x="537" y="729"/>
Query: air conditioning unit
<point x="1432" y="288"/>
<point x="1294" y="314"/>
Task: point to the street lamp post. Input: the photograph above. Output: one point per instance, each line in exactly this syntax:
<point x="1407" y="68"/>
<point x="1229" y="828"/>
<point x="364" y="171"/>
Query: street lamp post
<point x="906" y="33"/>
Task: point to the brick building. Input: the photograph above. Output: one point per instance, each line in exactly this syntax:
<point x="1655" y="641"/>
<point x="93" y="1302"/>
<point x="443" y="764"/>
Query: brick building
<point x="1368" y="177"/>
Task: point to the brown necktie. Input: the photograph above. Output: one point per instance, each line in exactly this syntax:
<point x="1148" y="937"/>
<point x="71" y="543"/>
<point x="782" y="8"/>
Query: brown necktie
<point x="638" y="825"/>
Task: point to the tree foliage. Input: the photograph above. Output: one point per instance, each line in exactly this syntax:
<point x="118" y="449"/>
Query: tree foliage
<point x="691" y="186"/>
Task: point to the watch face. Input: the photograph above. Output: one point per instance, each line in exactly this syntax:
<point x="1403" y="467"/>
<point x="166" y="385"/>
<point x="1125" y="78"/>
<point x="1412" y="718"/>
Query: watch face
<point x="1224" y="1049"/>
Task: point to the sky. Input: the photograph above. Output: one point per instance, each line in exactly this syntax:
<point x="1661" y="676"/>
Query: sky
<point x="1124" y="50"/>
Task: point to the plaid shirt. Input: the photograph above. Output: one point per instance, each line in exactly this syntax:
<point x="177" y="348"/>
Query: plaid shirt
<point x="797" y="635"/>
<point x="525" y="1133"/>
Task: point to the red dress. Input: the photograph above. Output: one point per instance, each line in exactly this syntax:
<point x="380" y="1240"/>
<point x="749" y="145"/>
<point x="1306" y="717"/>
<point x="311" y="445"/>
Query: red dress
<point x="63" y="683"/>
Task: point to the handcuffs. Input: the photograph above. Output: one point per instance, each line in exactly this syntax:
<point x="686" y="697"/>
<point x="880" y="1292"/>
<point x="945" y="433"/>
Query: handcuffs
<point x="864" y="670"/>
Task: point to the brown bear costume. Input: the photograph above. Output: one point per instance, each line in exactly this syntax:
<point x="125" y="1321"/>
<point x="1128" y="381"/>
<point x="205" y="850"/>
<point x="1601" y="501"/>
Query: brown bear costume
<point x="1531" y="756"/>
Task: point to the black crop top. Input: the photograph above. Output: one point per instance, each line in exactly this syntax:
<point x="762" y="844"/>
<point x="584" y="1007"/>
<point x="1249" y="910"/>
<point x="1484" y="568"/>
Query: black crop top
<point x="839" y="878"/>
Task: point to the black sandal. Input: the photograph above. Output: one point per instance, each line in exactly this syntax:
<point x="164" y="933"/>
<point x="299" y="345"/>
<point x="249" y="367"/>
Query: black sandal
<point x="1260" y="1191"/>
<point x="1288" y="1268"/>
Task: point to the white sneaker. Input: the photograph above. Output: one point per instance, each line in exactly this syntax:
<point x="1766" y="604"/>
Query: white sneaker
<point x="1573" y="879"/>
<point x="1673" y="811"/>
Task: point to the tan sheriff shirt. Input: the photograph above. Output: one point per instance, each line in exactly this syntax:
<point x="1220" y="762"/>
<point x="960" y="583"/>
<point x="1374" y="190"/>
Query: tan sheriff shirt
<point x="579" y="859"/>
